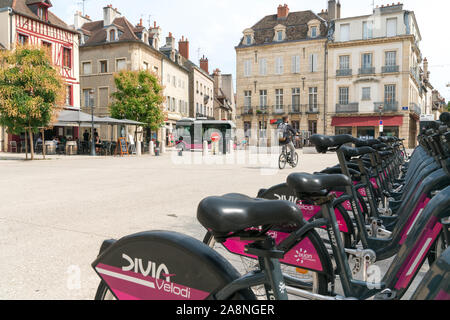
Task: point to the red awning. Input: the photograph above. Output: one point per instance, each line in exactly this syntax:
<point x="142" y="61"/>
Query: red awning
<point x="395" y="121"/>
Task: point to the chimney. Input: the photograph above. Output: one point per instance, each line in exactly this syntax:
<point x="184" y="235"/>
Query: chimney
<point x="338" y="10"/>
<point x="204" y="64"/>
<point x="156" y="30"/>
<point x="426" y="73"/>
<point x="170" y="41"/>
<point x="79" y="20"/>
<point x="183" y="47"/>
<point x="283" y="12"/>
<point x="332" y="10"/>
<point x="109" y="15"/>
<point x="217" y="80"/>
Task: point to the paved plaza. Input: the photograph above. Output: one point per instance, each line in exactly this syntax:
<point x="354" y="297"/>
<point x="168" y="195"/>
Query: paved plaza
<point x="55" y="213"/>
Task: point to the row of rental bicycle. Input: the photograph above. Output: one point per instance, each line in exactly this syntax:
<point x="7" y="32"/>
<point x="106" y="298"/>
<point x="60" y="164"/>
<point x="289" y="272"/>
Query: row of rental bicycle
<point x="316" y="236"/>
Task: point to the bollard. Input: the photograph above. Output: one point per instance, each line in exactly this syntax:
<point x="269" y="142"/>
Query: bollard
<point x="138" y="148"/>
<point x="152" y="148"/>
<point x="231" y="143"/>
<point x="205" y="148"/>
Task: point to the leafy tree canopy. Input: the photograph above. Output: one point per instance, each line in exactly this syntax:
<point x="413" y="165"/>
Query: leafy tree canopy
<point x="139" y="97"/>
<point x="32" y="90"/>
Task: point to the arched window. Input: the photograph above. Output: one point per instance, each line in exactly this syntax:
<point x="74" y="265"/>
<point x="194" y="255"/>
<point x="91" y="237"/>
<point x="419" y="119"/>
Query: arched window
<point x="112" y="35"/>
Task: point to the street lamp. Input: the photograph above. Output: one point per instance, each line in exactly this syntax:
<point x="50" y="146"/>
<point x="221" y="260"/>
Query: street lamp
<point x="91" y="104"/>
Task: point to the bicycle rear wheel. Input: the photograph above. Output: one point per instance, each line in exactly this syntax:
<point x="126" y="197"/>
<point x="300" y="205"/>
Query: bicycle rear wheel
<point x="317" y="282"/>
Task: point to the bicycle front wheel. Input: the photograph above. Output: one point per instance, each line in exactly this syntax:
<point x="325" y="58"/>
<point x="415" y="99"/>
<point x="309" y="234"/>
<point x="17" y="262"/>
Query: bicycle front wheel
<point x="282" y="161"/>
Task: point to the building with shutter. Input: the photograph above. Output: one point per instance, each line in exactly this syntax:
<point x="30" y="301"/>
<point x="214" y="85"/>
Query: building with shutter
<point x="281" y="72"/>
<point x="109" y="46"/>
<point x="375" y="75"/>
<point x="32" y="22"/>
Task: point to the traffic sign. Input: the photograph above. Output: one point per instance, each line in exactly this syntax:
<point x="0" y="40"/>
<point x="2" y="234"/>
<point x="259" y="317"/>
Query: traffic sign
<point x="215" y="136"/>
<point x="381" y="128"/>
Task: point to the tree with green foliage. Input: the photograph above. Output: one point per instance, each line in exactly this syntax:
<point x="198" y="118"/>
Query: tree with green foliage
<point x="32" y="91"/>
<point x="139" y="97"/>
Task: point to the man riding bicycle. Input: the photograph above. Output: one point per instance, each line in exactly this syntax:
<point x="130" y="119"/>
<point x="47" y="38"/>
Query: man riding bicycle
<point x="287" y="132"/>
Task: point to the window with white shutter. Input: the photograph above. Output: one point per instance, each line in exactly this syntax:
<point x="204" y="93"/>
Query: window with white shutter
<point x="279" y="68"/>
<point x="313" y="62"/>
<point x="391" y="27"/>
<point x="247" y="68"/>
<point x="345" y="32"/>
<point x="295" y="64"/>
<point x="263" y="67"/>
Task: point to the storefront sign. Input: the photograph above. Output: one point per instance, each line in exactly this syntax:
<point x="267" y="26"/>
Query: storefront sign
<point x="123" y="146"/>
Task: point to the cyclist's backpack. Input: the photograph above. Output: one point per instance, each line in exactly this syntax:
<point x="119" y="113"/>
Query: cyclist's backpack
<point x="282" y="132"/>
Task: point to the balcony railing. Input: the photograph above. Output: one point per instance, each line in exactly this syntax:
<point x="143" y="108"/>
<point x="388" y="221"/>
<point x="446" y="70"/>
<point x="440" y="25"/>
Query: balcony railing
<point x="390" y="69"/>
<point x="294" y="109"/>
<point x="278" y="110"/>
<point x="386" y="106"/>
<point x="347" y="108"/>
<point x="247" y="111"/>
<point x="312" y="108"/>
<point x="262" y="110"/>
<point x="344" y="72"/>
<point x="414" y="107"/>
<point x="366" y="70"/>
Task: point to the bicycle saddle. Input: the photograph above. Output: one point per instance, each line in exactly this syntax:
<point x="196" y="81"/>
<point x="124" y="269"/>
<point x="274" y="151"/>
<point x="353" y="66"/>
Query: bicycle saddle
<point x="355" y="152"/>
<point x="237" y="212"/>
<point x="316" y="184"/>
<point x="365" y="143"/>
<point x="322" y="142"/>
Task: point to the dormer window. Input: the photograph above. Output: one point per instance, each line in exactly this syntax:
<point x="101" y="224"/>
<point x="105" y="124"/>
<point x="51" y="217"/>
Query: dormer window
<point x="112" y="35"/>
<point x="280" y="33"/>
<point x="313" y="28"/>
<point x="248" y="37"/>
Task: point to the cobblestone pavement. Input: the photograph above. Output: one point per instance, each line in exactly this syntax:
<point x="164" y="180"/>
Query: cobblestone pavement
<point x="55" y="213"/>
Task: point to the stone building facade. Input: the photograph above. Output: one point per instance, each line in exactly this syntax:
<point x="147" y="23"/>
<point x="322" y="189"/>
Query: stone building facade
<point x="281" y="72"/>
<point x="109" y="46"/>
<point x="375" y="75"/>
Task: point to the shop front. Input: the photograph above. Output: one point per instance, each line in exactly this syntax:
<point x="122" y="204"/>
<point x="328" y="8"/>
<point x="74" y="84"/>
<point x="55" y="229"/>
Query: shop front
<point x="367" y="127"/>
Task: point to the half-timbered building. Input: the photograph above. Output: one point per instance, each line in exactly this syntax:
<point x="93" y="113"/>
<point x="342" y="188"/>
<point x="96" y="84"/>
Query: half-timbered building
<point x="32" y="22"/>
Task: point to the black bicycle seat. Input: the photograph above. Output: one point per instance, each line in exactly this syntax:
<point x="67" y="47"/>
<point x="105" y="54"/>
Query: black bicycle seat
<point x="365" y="143"/>
<point x="316" y="184"/>
<point x="237" y="212"/>
<point x="324" y="142"/>
<point x="355" y="152"/>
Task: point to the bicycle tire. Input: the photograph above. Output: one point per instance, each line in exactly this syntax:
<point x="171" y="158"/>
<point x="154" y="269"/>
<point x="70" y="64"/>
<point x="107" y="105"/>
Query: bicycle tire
<point x="294" y="163"/>
<point x="320" y="280"/>
<point x="436" y="249"/>
<point x="282" y="161"/>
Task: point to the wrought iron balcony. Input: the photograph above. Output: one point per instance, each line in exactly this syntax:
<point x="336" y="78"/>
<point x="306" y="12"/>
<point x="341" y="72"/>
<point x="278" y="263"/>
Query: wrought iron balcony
<point x="347" y="108"/>
<point x="247" y="111"/>
<point x="278" y="110"/>
<point x="262" y="110"/>
<point x="366" y="70"/>
<point x="414" y="107"/>
<point x="390" y="69"/>
<point x="386" y="106"/>
<point x="312" y="108"/>
<point x="344" y="72"/>
<point x="295" y="109"/>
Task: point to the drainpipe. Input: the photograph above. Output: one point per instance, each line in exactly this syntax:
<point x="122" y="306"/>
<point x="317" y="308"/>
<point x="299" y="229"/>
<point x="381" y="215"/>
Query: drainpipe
<point x="10" y="27"/>
<point x="325" y="94"/>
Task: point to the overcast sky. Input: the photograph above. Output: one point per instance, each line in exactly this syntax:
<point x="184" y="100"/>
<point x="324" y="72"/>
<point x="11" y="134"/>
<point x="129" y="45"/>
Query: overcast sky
<point x="214" y="27"/>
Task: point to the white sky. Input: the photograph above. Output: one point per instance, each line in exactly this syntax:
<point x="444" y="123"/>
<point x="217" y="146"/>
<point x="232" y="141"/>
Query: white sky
<point x="214" y="27"/>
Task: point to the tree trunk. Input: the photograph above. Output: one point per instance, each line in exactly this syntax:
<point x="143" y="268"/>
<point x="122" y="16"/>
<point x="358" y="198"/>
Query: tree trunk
<point x="43" y="143"/>
<point x="26" y="145"/>
<point x="31" y="145"/>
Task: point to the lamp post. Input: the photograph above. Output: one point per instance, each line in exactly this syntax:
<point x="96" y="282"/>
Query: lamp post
<point x="380" y="107"/>
<point x="91" y="103"/>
